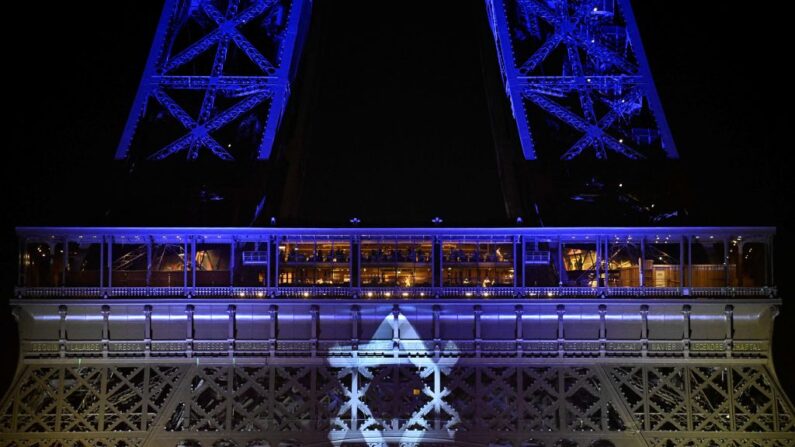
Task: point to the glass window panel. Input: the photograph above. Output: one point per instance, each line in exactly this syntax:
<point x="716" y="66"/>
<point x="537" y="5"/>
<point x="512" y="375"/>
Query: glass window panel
<point x="83" y="266"/>
<point x="707" y="262"/>
<point x="168" y="265"/>
<point x="129" y="265"/>
<point x="661" y="266"/>
<point x="624" y="260"/>
<point x="314" y="262"/>
<point x="212" y="264"/>
<point x="541" y="264"/>
<point x="477" y="264"/>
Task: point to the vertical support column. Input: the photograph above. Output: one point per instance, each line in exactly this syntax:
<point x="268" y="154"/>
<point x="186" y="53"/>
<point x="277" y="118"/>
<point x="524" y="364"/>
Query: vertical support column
<point x="355" y="264"/>
<point x="681" y="264"/>
<point x="149" y="244"/>
<point x="231" y="335"/>
<point x="62" y="309"/>
<point x="314" y="312"/>
<point x="644" y="329"/>
<point x="602" y="329"/>
<point x="272" y="269"/>
<point x="109" y="240"/>
<point x="437" y="339"/>
<point x="561" y="309"/>
<point x="273" y="311"/>
<point x="690" y="261"/>
<point x="193" y="261"/>
<point x="105" y="329"/>
<point x="519" y="310"/>
<point x="233" y="261"/>
<point x="437" y="259"/>
<point x="478" y="311"/>
<point x="101" y="262"/>
<point x="147" y="330"/>
<point x="686" y="335"/>
<point x="729" y="343"/>
<point x="606" y="255"/>
<point x="523" y="260"/>
<point x="186" y="256"/>
<point x="277" y="255"/>
<point x="189" y="312"/>
<point x="560" y="261"/>
<point x="355" y="314"/>
<point x="518" y="261"/>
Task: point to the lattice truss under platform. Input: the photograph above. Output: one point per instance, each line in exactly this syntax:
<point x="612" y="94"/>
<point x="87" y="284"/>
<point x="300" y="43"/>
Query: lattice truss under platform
<point x="217" y="79"/>
<point x="578" y="80"/>
<point x="376" y="403"/>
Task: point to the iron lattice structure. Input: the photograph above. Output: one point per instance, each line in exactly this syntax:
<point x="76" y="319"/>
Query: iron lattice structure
<point x="535" y="404"/>
<point x="579" y="63"/>
<point x="217" y="79"/>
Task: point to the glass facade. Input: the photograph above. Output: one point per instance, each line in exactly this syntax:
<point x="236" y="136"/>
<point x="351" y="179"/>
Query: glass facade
<point x="379" y="263"/>
<point x="314" y="261"/>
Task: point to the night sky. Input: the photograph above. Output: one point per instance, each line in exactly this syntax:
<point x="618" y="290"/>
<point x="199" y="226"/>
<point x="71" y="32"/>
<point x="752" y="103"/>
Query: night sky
<point x="390" y="122"/>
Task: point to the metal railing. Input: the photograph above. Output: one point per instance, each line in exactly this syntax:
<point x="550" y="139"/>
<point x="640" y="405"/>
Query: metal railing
<point x="393" y="292"/>
<point x="255" y="257"/>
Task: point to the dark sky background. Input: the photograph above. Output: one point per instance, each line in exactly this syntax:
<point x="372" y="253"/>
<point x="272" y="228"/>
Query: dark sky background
<point x="389" y="121"/>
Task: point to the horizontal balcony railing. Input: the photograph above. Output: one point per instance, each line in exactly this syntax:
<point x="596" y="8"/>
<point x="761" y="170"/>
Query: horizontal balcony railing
<point x="344" y="347"/>
<point x="392" y="292"/>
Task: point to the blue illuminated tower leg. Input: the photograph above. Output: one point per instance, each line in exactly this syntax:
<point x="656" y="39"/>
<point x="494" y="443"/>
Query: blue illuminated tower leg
<point x="651" y="89"/>
<point x="298" y="20"/>
<point x="144" y="88"/>
<point x="577" y="79"/>
<point x="499" y="28"/>
<point x="243" y="91"/>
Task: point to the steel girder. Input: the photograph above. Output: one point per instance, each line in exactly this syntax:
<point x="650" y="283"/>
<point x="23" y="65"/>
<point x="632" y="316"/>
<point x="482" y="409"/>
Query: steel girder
<point x="217" y="78"/>
<point x="579" y="62"/>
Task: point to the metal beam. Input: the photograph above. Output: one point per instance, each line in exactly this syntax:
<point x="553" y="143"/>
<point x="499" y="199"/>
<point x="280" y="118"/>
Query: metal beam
<point x="599" y="43"/>
<point x="265" y="93"/>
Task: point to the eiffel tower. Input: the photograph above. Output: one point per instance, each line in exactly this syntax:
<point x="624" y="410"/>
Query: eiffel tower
<point x="482" y="336"/>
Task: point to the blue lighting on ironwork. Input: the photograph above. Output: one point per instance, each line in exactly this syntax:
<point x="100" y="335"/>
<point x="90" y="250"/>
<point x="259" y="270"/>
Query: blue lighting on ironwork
<point x="235" y="99"/>
<point x="582" y="63"/>
<point x="574" y="61"/>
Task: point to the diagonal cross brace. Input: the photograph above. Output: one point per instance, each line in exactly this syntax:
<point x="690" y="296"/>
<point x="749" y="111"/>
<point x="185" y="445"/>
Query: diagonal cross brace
<point x="580" y="124"/>
<point x="202" y="132"/>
